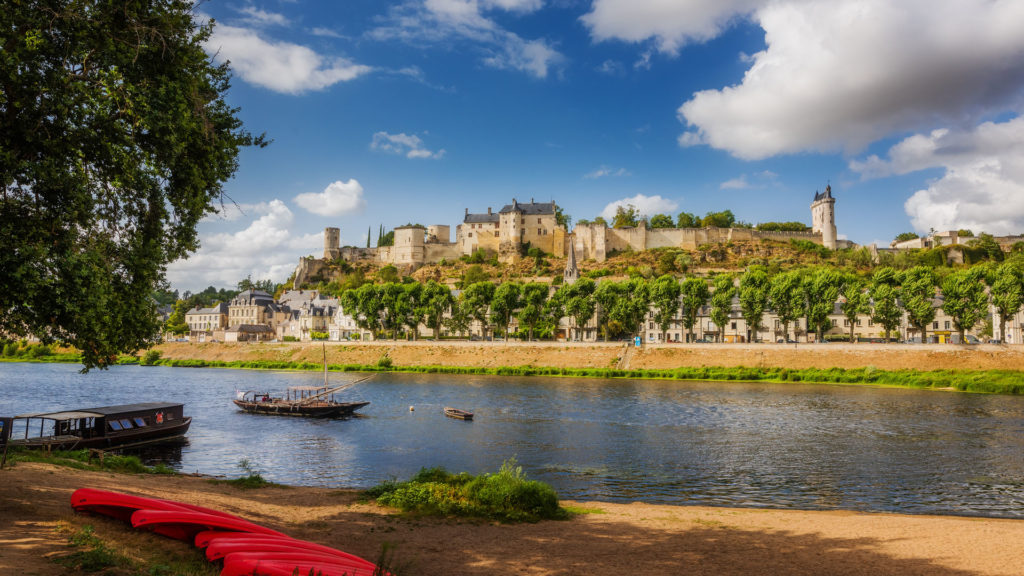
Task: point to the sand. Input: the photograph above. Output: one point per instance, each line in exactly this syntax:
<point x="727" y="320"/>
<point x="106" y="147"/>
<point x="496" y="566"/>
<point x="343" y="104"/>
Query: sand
<point x="617" y="539"/>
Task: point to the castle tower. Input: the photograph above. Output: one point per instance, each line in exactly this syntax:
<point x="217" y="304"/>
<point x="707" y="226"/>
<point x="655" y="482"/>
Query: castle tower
<point x="572" y="273"/>
<point x="823" y="217"/>
<point x="332" y="242"/>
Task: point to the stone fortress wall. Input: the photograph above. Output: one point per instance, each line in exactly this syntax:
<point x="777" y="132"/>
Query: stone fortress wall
<point x="506" y="231"/>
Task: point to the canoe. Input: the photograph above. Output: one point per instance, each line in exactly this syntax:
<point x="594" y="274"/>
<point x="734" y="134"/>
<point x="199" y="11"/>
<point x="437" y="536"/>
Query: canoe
<point x="185" y="524"/>
<point x="457" y="414"/>
<point x="122" y="506"/>
<point x="222" y="547"/>
<point x="207" y="537"/>
<point x="285" y="564"/>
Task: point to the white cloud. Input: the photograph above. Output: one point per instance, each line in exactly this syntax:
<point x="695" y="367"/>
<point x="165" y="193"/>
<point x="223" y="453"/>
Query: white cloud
<point x="280" y="66"/>
<point x="839" y="74"/>
<point x="267" y="248"/>
<point x="444" y="21"/>
<point x="982" y="187"/>
<point x="604" y="171"/>
<point x="735" y="184"/>
<point x="255" y="17"/>
<point x="645" y="205"/>
<point x="644" y="62"/>
<point x="325" y="32"/>
<point x="408" y="145"/>
<point x="670" y="23"/>
<point x="610" y="67"/>
<point x="338" y="198"/>
<point x="761" y="179"/>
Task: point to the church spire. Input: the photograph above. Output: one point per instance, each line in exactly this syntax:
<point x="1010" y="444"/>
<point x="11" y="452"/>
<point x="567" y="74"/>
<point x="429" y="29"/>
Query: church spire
<point x="572" y="273"/>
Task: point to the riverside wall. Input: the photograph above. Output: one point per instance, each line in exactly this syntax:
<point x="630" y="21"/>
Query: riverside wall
<point x="612" y="355"/>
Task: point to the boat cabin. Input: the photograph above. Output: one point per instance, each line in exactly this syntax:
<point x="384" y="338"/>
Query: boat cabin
<point x="100" y="426"/>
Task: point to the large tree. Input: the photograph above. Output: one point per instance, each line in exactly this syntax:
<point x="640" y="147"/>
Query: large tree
<point x="884" y="294"/>
<point x="1007" y="293"/>
<point x="115" y="140"/>
<point x="506" y="300"/>
<point x="753" y="294"/>
<point x="695" y="294"/>
<point x="786" y="298"/>
<point x="665" y="301"/>
<point x="436" y="301"/>
<point x="964" y="298"/>
<point x="855" y="300"/>
<point x="721" y="302"/>
<point x="821" y="290"/>
<point x="535" y="295"/>
<point x="476" y="302"/>
<point x="917" y="293"/>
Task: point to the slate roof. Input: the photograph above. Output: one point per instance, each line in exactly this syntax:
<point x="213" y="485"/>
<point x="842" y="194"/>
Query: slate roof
<point x="480" y="218"/>
<point x="529" y="209"/>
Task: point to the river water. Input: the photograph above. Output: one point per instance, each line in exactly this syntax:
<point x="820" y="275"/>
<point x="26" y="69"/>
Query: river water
<point x="720" y="444"/>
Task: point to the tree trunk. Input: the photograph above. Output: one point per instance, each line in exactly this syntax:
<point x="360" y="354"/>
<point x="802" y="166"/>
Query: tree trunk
<point x="852" y="325"/>
<point x="1002" y="327"/>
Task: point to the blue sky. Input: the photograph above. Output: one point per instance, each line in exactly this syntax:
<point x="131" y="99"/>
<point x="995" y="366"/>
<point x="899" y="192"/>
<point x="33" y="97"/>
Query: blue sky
<point x="384" y="113"/>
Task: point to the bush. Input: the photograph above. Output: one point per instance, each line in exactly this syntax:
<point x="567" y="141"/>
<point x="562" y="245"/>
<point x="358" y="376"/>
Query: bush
<point x="507" y="496"/>
<point x="150" y="358"/>
<point x="290" y="339"/>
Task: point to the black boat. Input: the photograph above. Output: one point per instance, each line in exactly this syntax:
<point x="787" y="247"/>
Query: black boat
<point x="307" y="401"/>
<point x="103" y="427"/>
<point x="457" y="413"/>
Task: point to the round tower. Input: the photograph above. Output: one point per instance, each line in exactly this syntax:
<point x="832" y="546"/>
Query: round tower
<point x="823" y="217"/>
<point x="332" y="243"/>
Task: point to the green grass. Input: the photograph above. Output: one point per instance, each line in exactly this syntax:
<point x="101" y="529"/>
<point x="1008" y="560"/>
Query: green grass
<point x="91" y="554"/>
<point x="979" y="381"/>
<point x="79" y="459"/>
<point x="581" y="511"/>
<point x="506" y="496"/>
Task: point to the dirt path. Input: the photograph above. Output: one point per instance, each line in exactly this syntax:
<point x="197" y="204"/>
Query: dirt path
<point x="620" y="539"/>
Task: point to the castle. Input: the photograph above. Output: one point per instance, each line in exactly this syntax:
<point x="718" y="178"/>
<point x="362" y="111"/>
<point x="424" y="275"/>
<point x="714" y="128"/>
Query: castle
<point x="517" y="225"/>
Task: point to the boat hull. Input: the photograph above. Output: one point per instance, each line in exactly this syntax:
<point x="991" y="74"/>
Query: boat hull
<point x="319" y="410"/>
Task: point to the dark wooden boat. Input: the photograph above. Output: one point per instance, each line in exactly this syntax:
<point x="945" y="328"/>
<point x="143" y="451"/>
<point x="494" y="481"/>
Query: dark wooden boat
<point x="307" y="401"/>
<point x="104" y="427"/>
<point x="457" y="414"/>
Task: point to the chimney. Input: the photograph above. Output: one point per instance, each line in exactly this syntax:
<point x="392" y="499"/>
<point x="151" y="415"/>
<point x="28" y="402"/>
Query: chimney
<point x="488" y="209"/>
<point x="531" y="200"/>
<point x="467" y="211"/>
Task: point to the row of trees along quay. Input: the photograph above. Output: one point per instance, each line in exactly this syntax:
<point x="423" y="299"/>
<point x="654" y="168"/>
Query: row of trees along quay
<point x="620" y="307"/>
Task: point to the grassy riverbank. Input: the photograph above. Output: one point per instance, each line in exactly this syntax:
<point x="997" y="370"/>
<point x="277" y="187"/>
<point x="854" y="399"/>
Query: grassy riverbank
<point x="980" y="369"/>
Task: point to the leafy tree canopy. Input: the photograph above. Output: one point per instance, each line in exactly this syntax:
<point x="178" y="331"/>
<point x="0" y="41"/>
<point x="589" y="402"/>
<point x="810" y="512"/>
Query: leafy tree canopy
<point x="903" y="236"/>
<point x="625" y="217"/>
<point x="724" y="219"/>
<point x="687" y="220"/>
<point x="661" y="221"/>
<point x="783" y="227"/>
<point x="115" y="140"/>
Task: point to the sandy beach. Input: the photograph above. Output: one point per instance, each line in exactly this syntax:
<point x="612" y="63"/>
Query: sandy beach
<point x="615" y="539"/>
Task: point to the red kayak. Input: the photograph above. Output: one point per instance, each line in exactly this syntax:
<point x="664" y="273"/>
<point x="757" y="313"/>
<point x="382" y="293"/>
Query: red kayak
<point x="185" y="524"/>
<point x="121" y="506"/>
<point x="287" y="564"/>
<point x="207" y="537"/>
<point x="221" y="547"/>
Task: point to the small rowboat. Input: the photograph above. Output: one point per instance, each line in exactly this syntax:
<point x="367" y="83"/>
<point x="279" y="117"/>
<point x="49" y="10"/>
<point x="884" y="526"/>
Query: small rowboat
<point x="457" y="414"/>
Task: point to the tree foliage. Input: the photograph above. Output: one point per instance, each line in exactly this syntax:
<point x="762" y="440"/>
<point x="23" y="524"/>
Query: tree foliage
<point x="753" y="293"/>
<point x="786" y="298"/>
<point x="687" y="220"/>
<point x="661" y="221"/>
<point x="665" y="293"/>
<point x="916" y="292"/>
<point x="1007" y="293"/>
<point x="964" y="298"/>
<point x="625" y="216"/>
<point x="695" y="294"/>
<point x="721" y="301"/>
<point x="115" y="140"/>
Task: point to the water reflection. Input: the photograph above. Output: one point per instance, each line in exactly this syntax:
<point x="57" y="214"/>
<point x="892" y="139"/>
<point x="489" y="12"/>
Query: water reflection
<point x="622" y="440"/>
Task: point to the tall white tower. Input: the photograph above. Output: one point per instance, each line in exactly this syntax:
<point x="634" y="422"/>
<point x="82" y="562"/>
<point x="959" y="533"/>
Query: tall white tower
<point x="823" y="217"/>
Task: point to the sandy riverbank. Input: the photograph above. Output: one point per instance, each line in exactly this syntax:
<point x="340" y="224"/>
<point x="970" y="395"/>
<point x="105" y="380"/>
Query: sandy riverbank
<point x="612" y="355"/>
<point x="621" y="539"/>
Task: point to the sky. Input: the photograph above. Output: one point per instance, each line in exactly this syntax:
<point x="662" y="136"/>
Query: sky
<point x="388" y="113"/>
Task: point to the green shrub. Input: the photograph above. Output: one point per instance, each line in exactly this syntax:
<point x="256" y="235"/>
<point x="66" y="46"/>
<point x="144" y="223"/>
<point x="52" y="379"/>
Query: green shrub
<point x="507" y="496"/>
<point x="150" y="358"/>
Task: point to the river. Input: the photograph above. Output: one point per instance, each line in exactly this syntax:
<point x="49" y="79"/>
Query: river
<point x="719" y="444"/>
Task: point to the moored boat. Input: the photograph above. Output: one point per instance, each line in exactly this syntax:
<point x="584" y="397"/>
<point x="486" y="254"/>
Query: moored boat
<point x="103" y="427"/>
<point x="457" y="413"/>
<point x="308" y="401"/>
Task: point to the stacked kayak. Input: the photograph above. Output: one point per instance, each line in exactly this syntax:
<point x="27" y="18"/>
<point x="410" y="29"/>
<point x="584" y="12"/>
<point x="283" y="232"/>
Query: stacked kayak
<point x="244" y="547"/>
